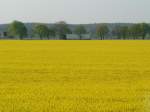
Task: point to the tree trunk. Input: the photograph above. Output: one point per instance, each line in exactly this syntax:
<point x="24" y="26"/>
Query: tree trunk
<point x="101" y="37"/>
<point x="124" y="37"/>
<point x="21" y="38"/>
<point x="143" y="37"/>
<point x="40" y="37"/>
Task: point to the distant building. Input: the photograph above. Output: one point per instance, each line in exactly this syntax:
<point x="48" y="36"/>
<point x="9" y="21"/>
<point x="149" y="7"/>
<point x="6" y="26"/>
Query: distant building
<point x="76" y="37"/>
<point x="3" y="34"/>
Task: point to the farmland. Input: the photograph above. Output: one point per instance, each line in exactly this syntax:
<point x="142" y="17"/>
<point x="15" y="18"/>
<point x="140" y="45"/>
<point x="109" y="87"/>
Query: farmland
<point x="74" y="76"/>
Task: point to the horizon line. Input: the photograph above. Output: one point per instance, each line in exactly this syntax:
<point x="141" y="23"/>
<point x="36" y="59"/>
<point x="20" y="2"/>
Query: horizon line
<point x="76" y="23"/>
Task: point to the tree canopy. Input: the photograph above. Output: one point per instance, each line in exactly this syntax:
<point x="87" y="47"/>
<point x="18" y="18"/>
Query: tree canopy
<point x="102" y="30"/>
<point x="80" y="30"/>
<point x="17" y="28"/>
<point x="42" y="31"/>
<point x="62" y="29"/>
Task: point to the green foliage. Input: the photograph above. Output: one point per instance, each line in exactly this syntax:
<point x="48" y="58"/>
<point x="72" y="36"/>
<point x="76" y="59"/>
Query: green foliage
<point x="17" y="28"/>
<point x="124" y="32"/>
<point x="139" y="30"/>
<point x="41" y="30"/>
<point x="102" y="30"/>
<point x="144" y="30"/>
<point x="117" y="32"/>
<point x="52" y="32"/>
<point x="121" y="32"/>
<point x="135" y="31"/>
<point x="80" y="30"/>
<point x="62" y="29"/>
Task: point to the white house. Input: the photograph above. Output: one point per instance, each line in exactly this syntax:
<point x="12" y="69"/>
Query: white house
<point x="76" y="37"/>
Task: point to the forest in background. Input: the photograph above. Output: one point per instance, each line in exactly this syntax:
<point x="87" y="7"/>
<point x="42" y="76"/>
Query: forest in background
<point x="61" y="30"/>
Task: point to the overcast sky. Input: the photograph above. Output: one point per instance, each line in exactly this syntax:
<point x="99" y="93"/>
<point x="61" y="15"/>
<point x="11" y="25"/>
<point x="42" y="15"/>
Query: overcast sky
<point x="75" y="11"/>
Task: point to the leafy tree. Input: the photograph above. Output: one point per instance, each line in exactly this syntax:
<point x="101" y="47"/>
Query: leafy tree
<point x="149" y="30"/>
<point x="52" y="32"/>
<point x="101" y="31"/>
<point x="144" y="30"/>
<point x="17" y="28"/>
<point x="116" y="32"/>
<point x="124" y="31"/>
<point x="139" y="30"/>
<point x="80" y="30"/>
<point x="62" y="29"/>
<point x="42" y="30"/>
<point x="135" y="31"/>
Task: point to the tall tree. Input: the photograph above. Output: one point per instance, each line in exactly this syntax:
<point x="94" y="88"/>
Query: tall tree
<point x="124" y="32"/>
<point x="41" y="30"/>
<point x="62" y="29"/>
<point x="80" y="30"/>
<point x="17" y="28"/>
<point x="117" y="31"/>
<point x="101" y="31"/>
<point x="144" y="30"/>
<point x="135" y="31"/>
<point x="52" y="32"/>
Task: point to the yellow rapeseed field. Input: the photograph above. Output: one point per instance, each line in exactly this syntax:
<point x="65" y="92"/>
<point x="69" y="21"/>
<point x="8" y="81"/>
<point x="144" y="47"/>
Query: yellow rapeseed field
<point x="74" y="76"/>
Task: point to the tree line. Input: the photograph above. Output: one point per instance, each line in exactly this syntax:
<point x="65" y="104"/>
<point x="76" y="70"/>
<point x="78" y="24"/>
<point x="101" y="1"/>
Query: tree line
<point x="61" y="29"/>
